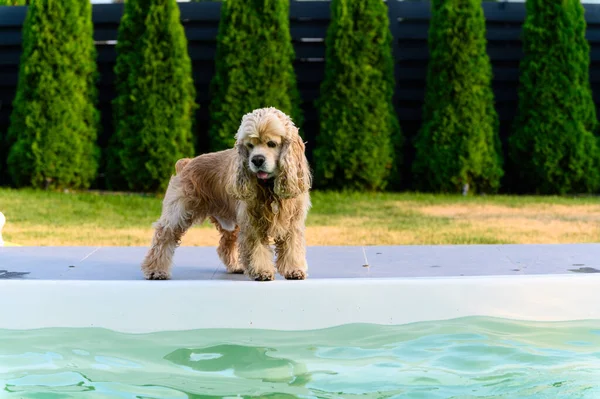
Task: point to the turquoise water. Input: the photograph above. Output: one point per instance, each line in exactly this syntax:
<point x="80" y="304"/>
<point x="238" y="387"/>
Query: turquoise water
<point x="462" y="358"/>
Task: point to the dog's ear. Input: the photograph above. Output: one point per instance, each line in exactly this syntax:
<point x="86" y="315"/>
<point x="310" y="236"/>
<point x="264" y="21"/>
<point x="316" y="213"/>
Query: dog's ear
<point x="294" y="173"/>
<point x="181" y="164"/>
<point x="240" y="185"/>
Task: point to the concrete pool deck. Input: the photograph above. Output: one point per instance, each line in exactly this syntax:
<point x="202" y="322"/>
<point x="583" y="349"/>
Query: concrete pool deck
<point x="80" y="287"/>
<point x="202" y="263"/>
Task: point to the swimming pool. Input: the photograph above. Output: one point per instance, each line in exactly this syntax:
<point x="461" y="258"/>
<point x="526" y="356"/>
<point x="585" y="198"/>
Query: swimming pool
<point x="76" y="323"/>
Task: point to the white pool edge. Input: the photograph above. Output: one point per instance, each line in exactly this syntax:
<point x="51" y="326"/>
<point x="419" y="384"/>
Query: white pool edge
<point x="151" y="306"/>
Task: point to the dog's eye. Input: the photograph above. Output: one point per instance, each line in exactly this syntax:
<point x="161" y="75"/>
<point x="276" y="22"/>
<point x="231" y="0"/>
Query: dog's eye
<point x="272" y="144"/>
<point x="250" y="145"/>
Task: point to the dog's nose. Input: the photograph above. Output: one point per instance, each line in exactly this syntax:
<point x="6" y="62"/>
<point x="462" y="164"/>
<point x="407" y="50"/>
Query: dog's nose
<point x="258" y="160"/>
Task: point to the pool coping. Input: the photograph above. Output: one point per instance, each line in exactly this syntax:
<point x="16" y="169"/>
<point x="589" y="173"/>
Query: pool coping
<point x="152" y="306"/>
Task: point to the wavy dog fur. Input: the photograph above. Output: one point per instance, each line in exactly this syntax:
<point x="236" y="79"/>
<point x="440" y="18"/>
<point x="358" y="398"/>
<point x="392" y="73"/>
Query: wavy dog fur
<point x="248" y="211"/>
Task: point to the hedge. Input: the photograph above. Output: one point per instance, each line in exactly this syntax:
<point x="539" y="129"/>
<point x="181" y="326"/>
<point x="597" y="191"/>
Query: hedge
<point x="54" y="121"/>
<point x="458" y="147"/>
<point x="254" y="66"/>
<point x="155" y="103"/>
<point x="358" y="124"/>
<point x="553" y="148"/>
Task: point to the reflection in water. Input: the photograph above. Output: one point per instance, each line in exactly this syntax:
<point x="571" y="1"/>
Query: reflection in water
<point x="240" y="361"/>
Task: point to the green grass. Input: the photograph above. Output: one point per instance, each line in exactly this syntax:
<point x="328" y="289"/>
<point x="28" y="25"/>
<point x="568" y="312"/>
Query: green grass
<point x="91" y="218"/>
<point x="31" y="207"/>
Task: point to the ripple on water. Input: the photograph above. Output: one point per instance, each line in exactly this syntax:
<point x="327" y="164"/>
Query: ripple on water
<point x="462" y="358"/>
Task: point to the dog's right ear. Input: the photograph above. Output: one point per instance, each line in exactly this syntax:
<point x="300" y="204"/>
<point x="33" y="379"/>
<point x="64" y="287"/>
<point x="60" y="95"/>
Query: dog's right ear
<point x="240" y="183"/>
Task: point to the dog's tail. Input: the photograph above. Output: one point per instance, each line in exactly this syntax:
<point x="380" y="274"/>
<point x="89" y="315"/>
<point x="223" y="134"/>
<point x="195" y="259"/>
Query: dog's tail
<point x="182" y="163"/>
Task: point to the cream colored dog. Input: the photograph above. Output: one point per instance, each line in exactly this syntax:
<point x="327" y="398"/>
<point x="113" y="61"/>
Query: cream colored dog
<point x="253" y="193"/>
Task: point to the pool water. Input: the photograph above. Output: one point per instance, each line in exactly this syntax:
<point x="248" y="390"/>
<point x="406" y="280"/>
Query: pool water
<point x="461" y="358"/>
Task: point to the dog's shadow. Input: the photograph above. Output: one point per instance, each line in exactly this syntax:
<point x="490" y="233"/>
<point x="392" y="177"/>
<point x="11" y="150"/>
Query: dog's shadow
<point x="6" y="275"/>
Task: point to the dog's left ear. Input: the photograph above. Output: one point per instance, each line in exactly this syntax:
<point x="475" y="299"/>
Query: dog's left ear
<point x="294" y="173"/>
<point x="239" y="185"/>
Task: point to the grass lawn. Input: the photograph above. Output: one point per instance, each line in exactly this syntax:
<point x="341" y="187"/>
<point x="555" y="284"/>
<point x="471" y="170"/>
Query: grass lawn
<point x="52" y="218"/>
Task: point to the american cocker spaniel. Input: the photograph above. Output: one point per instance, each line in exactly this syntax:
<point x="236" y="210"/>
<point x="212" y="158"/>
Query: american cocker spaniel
<point x="256" y="193"/>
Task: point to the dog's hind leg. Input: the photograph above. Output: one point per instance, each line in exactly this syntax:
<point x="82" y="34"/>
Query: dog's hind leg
<point x="228" y="249"/>
<point x="176" y="218"/>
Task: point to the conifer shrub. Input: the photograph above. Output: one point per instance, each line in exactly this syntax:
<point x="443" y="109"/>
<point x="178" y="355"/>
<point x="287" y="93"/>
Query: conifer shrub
<point x="54" y="121"/>
<point x="359" y="142"/>
<point x="254" y="66"/>
<point x="552" y="147"/>
<point x="155" y="105"/>
<point x="458" y="147"/>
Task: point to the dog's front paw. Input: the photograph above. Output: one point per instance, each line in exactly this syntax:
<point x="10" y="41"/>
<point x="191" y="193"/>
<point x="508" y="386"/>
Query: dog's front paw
<point x="263" y="276"/>
<point x="296" y="275"/>
<point x="157" y="275"/>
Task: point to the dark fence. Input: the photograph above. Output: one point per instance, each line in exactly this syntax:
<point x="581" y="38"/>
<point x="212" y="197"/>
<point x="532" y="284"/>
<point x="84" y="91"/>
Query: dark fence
<point x="409" y="22"/>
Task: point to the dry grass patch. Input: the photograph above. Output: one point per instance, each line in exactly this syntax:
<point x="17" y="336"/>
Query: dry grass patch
<point x="196" y="236"/>
<point x="527" y="224"/>
<point x="110" y="219"/>
<point x="90" y="236"/>
<point x="483" y="211"/>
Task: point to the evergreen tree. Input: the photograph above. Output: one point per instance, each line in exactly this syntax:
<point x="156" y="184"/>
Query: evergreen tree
<point x="588" y="107"/>
<point x="155" y="104"/>
<point x="254" y="66"/>
<point x="131" y="29"/>
<point x="553" y="148"/>
<point x="54" y="121"/>
<point x="458" y="147"/>
<point x="359" y="138"/>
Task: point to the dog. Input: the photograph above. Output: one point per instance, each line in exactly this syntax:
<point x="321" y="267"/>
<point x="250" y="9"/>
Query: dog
<point x="256" y="193"/>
